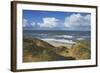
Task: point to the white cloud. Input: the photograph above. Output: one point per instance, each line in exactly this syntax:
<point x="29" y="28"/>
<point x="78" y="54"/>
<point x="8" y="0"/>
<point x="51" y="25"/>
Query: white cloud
<point x="87" y="17"/>
<point x="32" y="24"/>
<point x="26" y="23"/>
<point x="49" y="22"/>
<point x="78" y="21"/>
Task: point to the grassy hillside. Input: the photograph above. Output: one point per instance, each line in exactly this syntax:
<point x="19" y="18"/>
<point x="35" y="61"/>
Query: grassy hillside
<point x="81" y="50"/>
<point x="35" y="50"/>
<point x="38" y="50"/>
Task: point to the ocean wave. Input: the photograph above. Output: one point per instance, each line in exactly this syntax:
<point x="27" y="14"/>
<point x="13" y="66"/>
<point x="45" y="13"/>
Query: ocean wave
<point x="80" y="39"/>
<point x="59" y="40"/>
<point x="64" y="36"/>
<point x="54" y="36"/>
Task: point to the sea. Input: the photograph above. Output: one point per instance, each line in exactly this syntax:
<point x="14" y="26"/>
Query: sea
<point x="60" y="36"/>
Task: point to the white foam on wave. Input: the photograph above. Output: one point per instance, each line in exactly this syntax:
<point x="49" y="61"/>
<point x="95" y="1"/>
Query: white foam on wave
<point x="65" y="36"/>
<point x="80" y="39"/>
<point x="59" y="40"/>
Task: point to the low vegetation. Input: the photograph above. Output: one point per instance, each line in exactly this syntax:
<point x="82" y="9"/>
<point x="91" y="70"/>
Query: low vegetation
<point x="38" y="50"/>
<point x="81" y="50"/>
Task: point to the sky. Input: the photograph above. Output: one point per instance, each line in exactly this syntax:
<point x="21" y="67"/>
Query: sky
<point x="54" y="20"/>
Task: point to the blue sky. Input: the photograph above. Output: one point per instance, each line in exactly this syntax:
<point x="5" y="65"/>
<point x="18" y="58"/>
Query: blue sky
<point x="54" y="20"/>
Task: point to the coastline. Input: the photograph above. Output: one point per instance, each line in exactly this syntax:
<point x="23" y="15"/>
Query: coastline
<point x="35" y="50"/>
<point x="59" y="44"/>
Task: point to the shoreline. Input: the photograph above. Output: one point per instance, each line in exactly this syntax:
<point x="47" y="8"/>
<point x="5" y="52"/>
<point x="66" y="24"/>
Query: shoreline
<point x="59" y="44"/>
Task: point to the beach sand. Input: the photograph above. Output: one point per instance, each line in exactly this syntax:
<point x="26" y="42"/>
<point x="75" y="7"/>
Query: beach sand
<point x="58" y="44"/>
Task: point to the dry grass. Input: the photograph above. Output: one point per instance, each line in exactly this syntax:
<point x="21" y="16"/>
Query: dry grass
<point x="35" y="50"/>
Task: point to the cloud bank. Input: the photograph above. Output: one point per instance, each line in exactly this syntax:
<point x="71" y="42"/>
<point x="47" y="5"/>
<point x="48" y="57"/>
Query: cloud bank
<point x="49" y="22"/>
<point x="72" y="22"/>
<point x="26" y="23"/>
<point x="78" y="22"/>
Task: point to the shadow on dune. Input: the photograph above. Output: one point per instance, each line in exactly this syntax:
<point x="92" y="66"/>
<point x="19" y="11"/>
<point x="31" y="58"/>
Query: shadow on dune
<point x="35" y="50"/>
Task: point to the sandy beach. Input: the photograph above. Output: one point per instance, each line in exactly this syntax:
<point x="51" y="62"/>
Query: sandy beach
<point x="58" y="44"/>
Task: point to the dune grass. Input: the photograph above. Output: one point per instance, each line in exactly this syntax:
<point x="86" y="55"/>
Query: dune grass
<point x="81" y="50"/>
<point x="35" y="50"/>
